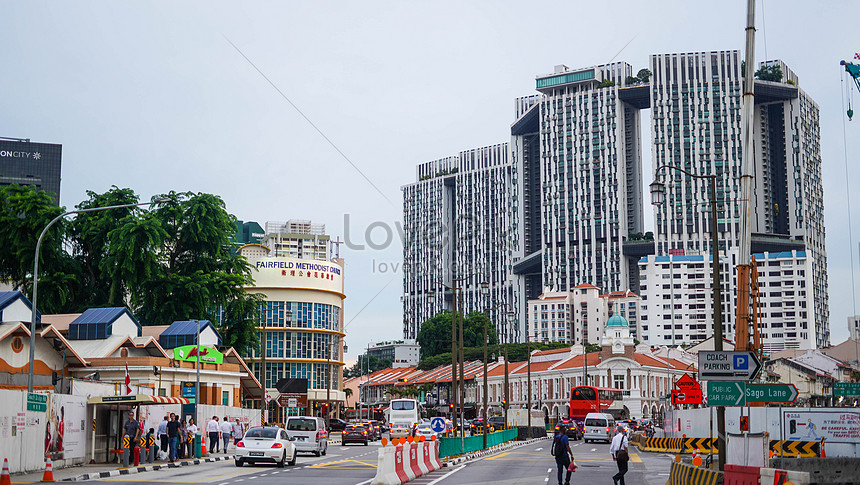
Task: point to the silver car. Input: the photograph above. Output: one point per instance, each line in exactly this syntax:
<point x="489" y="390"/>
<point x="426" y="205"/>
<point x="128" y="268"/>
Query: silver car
<point x="265" y="444"/>
<point x="308" y="433"/>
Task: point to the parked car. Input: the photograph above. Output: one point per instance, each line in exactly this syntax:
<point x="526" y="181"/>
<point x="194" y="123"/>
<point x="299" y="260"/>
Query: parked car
<point x="265" y="444"/>
<point x="308" y="433"/>
<point x="335" y="424"/>
<point x="356" y="433"/>
<point x="572" y="429"/>
<point x="498" y="422"/>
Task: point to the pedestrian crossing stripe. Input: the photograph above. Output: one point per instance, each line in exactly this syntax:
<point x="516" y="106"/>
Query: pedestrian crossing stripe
<point x="344" y="464"/>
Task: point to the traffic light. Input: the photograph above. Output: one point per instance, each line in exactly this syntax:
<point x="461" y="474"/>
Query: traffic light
<point x="745" y="423"/>
<point x="451" y="407"/>
<point x="55" y="378"/>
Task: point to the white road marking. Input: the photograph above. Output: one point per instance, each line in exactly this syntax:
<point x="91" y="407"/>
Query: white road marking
<point x="594" y="449"/>
<point x="434" y="482"/>
<point x="546" y="479"/>
<point x="364" y="482"/>
<point x="539" y="449"/>
<point x="549" y="470"/>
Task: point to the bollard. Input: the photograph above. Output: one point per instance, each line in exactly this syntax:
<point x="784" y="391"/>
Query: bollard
<point x="126" y="443"/>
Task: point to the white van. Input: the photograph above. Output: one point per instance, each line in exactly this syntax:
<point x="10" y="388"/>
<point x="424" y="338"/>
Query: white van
<point x="599" y="427"/>
<point x="308" y="433"/>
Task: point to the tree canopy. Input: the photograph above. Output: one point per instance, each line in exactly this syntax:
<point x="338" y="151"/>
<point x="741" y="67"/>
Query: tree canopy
<point x="176" y="261"/>
<point x="434" y="337"/>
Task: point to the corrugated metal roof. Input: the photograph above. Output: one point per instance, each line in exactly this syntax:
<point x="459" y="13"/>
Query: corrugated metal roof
<point x="7" y="297"/>
<point x="102" y="315"/>
<point x="188" y="328"/>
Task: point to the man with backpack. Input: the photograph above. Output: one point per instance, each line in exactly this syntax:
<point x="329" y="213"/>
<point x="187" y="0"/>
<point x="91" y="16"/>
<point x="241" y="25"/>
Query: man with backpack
<point x="561" y="451"/>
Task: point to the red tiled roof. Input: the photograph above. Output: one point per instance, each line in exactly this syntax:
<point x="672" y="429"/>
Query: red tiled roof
<point x="575" y="362"/>
<point x="583" y="285"/>
<point x="553" y="351"/>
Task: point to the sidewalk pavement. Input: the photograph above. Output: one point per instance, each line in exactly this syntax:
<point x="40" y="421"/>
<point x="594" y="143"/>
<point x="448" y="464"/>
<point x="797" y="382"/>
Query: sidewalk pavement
<point x="105" y="470"/>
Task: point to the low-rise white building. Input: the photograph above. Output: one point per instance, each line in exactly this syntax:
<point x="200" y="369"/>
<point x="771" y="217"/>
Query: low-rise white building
<point x="579" y="315"/>
<point x="401" y="353"/>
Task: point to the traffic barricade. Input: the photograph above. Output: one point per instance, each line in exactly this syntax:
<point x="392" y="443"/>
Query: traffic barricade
<point x="386" y="473"/>
<point x="434" y="454"/>
<point x="775" y="475"/>
<point x="795" y="448"/>
<point x="424" y="457"/>
<point x="401" y="464"/>
<point x="414" y="459"/>
<point x="684" y="474"/>
<point x="741" y="475"/>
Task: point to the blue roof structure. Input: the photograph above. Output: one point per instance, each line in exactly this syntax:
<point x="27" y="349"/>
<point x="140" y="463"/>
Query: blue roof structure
<point x="96" y="323"/>
<point x="8" y="297"/>
<point x="184" y="332"/>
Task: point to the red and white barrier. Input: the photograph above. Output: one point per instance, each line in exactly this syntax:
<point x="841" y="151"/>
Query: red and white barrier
<point x="415" y="459"/>
<point x="434" y="455"/>
<point x="424" y="454"/>
<point x="401" y="464"/>
<point x="386" y="473"/>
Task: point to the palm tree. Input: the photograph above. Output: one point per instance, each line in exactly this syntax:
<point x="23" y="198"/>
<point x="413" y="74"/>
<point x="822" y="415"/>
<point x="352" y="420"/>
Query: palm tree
<point x="348" y="393"/>
<point x="392" y="392"/>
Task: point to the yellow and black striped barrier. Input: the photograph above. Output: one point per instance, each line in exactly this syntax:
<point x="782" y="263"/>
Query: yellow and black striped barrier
<point x="802" y="449"/>
<point x="787" y="448"/>
<point x="683" y="474"/>
<point x="126" y="442"/>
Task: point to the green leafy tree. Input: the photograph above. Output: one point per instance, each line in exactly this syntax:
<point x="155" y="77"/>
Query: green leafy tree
<point x="239" y="323"/>
<point x="434" y="337"/>
<point x="367" y="364"/>
<point x="24" y="213"/>
<point x="769" y="73"/>
<point x="644" y="76"/>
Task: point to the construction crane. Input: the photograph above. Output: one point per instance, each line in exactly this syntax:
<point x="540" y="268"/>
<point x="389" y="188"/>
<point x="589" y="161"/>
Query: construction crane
<point x="854" y="71"/>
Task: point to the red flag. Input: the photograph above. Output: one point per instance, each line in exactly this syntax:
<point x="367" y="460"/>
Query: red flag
<point x="127" y="381"/>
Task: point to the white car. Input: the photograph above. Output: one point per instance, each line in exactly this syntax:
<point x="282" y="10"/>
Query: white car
<point x="425" y="431"/>
<point x="265" y="444"/>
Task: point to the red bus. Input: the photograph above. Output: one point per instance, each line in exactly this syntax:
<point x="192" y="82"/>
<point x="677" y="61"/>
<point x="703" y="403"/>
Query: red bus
<point x="590" y="399"/>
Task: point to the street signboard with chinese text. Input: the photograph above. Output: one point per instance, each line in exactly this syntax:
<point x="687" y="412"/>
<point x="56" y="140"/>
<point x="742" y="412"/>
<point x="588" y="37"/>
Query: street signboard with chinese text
<point x="37" y="402"/>
<point x="846" y="389"/>
<point x="728" y="366"/>
<point x="189" y="389"/>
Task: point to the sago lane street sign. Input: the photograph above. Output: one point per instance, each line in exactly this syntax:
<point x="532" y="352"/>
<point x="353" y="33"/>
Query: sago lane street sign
<point x="846" y="389"/>
<point x="771" y="392"/>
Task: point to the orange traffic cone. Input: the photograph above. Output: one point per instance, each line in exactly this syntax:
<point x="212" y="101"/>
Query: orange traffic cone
<point x="48" y="476"/>
<point x="4" y="477"/>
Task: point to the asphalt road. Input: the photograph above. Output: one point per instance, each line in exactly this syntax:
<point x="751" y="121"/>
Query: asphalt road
<point x="356" y="465"/>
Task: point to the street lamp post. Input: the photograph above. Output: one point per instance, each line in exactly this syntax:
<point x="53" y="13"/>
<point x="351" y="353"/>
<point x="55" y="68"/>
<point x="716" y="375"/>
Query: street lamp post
<point x="511" y="320"/>
<point x="485" y="290"/>
<point x="36" y="274"/>
<point x="658" y="197"/>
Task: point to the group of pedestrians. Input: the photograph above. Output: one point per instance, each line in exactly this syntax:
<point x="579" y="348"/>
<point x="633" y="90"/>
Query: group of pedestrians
<point x="225" y="431"/>
<point x="177" y="436"/>
<point x="564" y="456"/>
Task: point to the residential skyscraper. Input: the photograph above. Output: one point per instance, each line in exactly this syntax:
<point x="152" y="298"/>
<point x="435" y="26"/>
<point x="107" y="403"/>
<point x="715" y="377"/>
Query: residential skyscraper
<point x="458" y="223"/>
<point x="696" y="101"/>
<point x="24" y="162"/>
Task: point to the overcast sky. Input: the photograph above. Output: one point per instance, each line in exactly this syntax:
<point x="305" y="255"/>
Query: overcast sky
<point x="154" y="97"/>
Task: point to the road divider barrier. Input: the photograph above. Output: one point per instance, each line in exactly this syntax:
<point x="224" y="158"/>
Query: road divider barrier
<point x="684" y="474"/>
<point x="741" y="475"/>
<point x="400" y="463"/>
<point x="784" y="448"/>
<point x="777" y="476"/>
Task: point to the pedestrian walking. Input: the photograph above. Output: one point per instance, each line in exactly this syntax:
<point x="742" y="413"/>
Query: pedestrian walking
<point x="162" y="433"/>
<point x="563" y="456"/>
<point x="183" y="438"/>
<point x="226" y="432"/>
<point x="619" y="453"/>
<point x="238" y="432"/>
<point x="173" y="436"/>
<point x="214" y="434"/>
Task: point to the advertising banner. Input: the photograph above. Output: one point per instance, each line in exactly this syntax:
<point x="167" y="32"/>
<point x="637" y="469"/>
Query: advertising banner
<point x="65" y="427"/>
<point x="296" y="273"/>
<point x="207" y="354"/>
<point x="835" y="426"/>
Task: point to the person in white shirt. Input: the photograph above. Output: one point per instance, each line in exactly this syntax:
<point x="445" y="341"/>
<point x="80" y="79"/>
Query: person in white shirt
<point x="620" y="443"/>
<point x="214" y="434"/>
<point x="226" y="431"/>
<point x="192" y="432"/>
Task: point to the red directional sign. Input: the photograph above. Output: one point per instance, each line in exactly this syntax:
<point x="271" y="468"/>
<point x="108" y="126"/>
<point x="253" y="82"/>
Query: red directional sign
<point x="688" y="383"/>
<point x="687" y="396"/>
